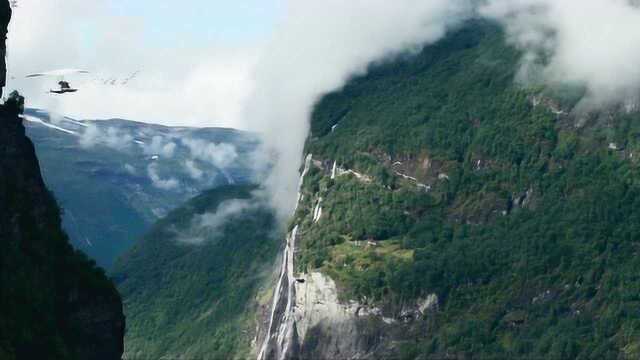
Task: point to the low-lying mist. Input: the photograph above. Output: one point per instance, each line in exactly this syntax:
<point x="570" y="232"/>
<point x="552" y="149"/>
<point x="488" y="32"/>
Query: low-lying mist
<point x="315" y="50"/>
<point x="593" y="44"/>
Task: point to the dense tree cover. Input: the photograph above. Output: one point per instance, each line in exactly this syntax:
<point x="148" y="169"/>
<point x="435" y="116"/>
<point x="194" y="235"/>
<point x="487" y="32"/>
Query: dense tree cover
<point x="531" y="240"/>
<point x="198" y="300"/>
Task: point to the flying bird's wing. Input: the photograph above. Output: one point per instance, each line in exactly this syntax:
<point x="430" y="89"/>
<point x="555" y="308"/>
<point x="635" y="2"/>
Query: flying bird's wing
<point x="60" y="72"/>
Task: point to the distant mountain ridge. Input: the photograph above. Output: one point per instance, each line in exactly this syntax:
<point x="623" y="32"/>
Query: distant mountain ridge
<point x="114" y="178"/>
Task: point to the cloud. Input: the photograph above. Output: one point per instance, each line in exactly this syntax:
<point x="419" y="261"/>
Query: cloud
<point x="207" y="226"/>
<point x="160" y="183"/>
<point x="111" y="137"/>
<point x="179" y="83"/>
<point x="219" y="155"/>
<point x="90" y="137"/>
<point x="159" y="146"/>
<point x="589" y="43"/>
<point x="130" y="169"/>
<point x="193" y="170"/>
<point x="316" y="49"/>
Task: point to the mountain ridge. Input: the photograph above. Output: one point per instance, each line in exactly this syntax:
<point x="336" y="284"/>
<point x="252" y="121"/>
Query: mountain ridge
<point x="115" y="178"/>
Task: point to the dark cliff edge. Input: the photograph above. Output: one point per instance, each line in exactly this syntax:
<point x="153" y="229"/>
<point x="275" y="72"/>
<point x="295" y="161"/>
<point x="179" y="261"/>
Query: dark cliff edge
<point x="5" y="17"/>
<point x="56" y="304"/>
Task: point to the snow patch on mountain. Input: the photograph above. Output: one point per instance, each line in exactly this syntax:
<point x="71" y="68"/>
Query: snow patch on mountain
<point x="39" y="121"/>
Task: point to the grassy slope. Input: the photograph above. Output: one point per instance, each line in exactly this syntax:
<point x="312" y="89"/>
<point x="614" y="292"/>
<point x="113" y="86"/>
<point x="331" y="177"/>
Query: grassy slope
<point x="554" y="278"/>
<point x="191" y="300"/>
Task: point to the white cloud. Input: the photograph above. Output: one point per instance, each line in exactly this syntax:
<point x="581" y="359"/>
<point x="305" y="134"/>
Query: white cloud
<point x="592" y="43"/>
<point x="159" y="146"/>
<point x="160" y="183"/>
<point x="177" y="84"/>
<point x="111" y="137"/>
<point x="193" y="170"/>
<point x="316" y="49"/>
<point x="130" y="169"/>
<point x="89" y="137"/>
<point x="208" y="225"/>
<point x="219" y="155"/>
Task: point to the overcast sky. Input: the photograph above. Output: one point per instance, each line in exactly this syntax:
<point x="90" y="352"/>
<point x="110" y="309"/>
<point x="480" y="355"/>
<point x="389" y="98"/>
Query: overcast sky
<point x="193" y="56"/>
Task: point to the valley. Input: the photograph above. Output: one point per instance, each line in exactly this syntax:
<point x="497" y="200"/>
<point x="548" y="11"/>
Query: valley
<point x="416" y="180"/>
<point x="115" y="178"/>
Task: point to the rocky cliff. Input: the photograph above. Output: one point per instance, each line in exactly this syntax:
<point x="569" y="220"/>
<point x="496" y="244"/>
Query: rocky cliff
<point x="311" y="319"/>
<point x="5" y="17"/>
<point x="56" y="303"/>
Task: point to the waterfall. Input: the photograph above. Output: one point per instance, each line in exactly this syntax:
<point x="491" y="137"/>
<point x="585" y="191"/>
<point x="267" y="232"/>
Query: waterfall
<point x="280" y="333"/>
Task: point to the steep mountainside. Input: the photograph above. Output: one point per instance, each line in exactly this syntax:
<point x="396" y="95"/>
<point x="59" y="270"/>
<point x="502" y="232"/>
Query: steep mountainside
<point x="5" y="18"/>
<point x="191" y="286"/>
<point x="115" y="178"/>
<point x="448" y="212"/>
<point x="56" y="303"/>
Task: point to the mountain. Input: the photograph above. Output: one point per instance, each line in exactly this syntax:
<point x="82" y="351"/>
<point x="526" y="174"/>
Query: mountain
<point x="192" y="285"/>
<point x="449" y="212"/>
<point x="56" y="304"/>
<point x="116" y="178"/>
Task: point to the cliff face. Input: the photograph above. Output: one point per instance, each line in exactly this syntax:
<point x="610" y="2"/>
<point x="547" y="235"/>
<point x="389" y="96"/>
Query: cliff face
<point x="448" y="212"/>
<point x="55" y="302"/>
<point x="5" y="17"/>
<point x="311" y="318"/>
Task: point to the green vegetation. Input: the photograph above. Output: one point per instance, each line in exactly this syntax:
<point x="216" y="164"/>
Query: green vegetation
<point x="198" y="300"/>
<point x="529" y="235"/>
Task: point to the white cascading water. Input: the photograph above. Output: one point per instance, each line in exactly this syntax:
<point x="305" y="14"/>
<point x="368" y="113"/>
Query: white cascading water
<point x="285" y="330"/>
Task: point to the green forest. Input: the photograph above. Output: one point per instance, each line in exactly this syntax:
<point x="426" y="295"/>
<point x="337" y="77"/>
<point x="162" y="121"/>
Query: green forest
<point x="527" y="232"/>
<point x="198" y="299"/>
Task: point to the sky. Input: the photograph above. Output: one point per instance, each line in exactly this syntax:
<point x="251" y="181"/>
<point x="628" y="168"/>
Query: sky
<point x="208" y="20"/>
<point x="193" y="57"/>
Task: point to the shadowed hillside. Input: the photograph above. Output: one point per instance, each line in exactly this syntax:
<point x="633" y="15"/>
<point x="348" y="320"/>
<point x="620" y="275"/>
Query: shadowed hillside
<point x="192" y="285"/>
<point x="56" y="303"/>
